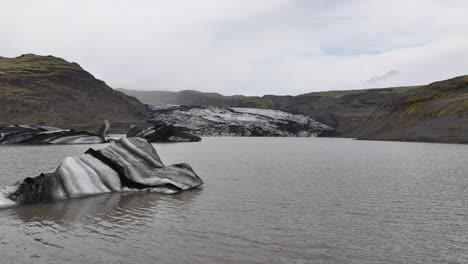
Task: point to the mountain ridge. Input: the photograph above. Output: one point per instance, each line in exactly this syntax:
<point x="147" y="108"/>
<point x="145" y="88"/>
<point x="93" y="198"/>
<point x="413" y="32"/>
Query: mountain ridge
<point x="48" y="90"/>
<point x="437" y="112"/>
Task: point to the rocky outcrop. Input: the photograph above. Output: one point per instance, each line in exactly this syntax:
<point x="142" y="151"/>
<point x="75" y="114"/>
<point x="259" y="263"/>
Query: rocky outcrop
<point x="25" y="134"/>
<point x="219" y="121"/>
<point x="130" y="164"/>
<point x="161" y="132"/>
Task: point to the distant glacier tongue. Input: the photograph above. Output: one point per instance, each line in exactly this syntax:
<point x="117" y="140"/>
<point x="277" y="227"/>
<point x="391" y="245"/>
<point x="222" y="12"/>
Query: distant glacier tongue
<point x="245" y="122"/>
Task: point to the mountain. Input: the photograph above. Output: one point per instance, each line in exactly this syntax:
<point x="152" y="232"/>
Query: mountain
<point x="191" y="97"/>
<point x="54" y="92"/>
<point x="187" y="97"/>
<point x="45" y="89"/>
<point x="437" y="112"/>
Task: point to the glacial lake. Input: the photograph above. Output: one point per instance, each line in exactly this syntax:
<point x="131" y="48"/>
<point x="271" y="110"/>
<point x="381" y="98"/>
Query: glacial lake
<point x="265" y="200"/>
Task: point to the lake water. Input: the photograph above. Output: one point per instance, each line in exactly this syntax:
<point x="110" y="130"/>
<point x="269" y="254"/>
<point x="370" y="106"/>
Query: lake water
<point x="265" y="200"/>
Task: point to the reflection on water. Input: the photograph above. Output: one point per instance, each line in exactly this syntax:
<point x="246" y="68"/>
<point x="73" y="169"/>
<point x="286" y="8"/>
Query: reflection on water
<point x="265" y="200"/>
<point x="71" y="210"/>
<point x="54" y="230"/>
<point x="106" y="206"/>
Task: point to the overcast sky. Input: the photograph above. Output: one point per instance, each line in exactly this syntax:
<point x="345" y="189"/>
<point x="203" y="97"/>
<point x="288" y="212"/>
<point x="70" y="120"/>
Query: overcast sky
<point x="251" y="47"/>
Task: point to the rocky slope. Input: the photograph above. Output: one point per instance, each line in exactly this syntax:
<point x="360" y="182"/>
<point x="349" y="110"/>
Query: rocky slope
<point x="45" y="89"/>
<point x="218" y="121"/>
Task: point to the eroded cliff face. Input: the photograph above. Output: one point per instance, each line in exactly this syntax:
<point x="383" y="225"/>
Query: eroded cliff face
<point x="219" y="121"/>
<point x="130" y="164"/>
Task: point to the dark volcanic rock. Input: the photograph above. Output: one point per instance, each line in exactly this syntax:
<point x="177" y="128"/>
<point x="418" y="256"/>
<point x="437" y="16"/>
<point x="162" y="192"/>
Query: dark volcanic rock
<point x="23" y="134"/>
<point x="161" y="132"/>
<point x="130" y="164"/>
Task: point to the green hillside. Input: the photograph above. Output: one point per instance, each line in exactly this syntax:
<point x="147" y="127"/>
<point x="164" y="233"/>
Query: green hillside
<point x="437" y="112"/>
<point x="45" y="89"/>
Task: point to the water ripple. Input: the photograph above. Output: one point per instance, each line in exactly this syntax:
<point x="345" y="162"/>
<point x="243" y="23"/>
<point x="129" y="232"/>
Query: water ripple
<point x="265" y="201"/>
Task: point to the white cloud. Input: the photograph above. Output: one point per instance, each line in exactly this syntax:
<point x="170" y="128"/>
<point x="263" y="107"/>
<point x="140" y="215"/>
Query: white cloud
<point x="245" y="46"/>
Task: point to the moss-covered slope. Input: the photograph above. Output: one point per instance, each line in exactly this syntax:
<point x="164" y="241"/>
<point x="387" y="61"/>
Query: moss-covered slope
<point x="45" y="89"/>
<point x="437" y="112"/>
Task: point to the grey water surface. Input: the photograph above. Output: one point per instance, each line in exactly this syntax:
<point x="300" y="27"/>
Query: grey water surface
<point x="265" y="200"/>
